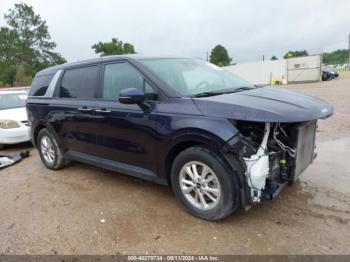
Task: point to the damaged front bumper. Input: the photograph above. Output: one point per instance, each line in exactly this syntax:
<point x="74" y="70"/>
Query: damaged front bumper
<point x="264" y="168"/>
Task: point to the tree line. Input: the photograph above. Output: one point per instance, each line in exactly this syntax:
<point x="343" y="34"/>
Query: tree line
<point x="26" y="48"/>
<point x="340" y="56"/>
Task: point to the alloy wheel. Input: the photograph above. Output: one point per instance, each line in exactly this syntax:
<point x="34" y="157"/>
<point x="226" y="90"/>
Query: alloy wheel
<point x="47" y="149"/>
<point x="200" y="185"/>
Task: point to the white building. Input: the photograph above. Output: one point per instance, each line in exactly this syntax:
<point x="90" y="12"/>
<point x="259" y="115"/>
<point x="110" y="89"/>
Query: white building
<point x="291" y="70"/>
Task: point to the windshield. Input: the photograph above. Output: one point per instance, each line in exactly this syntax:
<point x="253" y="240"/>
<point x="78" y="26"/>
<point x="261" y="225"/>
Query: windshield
<point x="8" y="101"/>
<point x="191" y="77"/>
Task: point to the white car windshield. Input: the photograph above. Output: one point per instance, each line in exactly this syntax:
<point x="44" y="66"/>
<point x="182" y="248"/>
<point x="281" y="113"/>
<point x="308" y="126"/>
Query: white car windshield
<point x="8" y="101"/>
<point x="191" y="77"/>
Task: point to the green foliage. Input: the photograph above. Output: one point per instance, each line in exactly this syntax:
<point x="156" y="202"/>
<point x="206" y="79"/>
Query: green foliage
<point x="340" y="56"/>
<point x="9" y="43"/>
<point x="115" y="47"/>
<point x="20" y="75"/>
<point x="274" y="58"/>
<point x="28" y="80"/>
<point x="7" y="73"/>
<point x="291" y="54"/>
<point x="219" y="56"/>
<point x="25" y="46"/>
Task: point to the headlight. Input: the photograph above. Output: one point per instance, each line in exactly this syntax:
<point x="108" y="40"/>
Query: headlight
<point x="8" y="124"/>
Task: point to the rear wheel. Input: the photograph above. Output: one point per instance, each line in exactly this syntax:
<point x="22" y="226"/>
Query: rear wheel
<point x="204" y="185"/>
<point x="49" y="151"/>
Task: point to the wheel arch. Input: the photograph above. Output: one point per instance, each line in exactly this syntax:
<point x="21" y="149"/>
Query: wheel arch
<point x="39" y="126"/>
<point x="181" y="142"/>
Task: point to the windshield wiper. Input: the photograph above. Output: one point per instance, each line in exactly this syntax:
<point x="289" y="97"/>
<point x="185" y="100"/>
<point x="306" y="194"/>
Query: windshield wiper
<point x="242" y="88"/>
<point x="211" y="93"/>
<point x="216" y="93"/>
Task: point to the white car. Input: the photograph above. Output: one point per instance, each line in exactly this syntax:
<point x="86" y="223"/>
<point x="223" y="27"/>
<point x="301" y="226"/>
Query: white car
<point x="13" y="118"/>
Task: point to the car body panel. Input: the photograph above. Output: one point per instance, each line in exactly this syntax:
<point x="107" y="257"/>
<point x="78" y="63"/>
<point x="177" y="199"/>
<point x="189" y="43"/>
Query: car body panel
<point x="75" y="129"/>
<point x="180" y="121"/>
<point x="15" y="135"/>
<point x="16" y="114"/>
<point x="125" y="133"/>
<point x="265" y="104"/>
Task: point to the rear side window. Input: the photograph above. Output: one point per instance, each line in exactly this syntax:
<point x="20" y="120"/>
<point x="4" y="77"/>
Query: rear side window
<point x="79" y="83"/>
<point x="40" y="85"/>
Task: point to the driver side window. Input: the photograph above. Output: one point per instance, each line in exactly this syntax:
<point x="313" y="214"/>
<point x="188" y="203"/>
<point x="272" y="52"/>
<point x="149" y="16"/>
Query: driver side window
<point x="120" y="76"/>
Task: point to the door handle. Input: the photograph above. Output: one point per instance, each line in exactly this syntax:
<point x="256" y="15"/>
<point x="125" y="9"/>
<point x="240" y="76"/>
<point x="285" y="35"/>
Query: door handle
<point x="103" y="110"/>
<point x="84" y="109"/>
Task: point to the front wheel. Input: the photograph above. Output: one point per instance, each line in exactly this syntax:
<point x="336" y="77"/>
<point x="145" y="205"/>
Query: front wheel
<point x="204" y="185"/>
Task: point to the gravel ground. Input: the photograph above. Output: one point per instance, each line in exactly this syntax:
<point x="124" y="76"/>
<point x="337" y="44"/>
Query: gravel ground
<point x="86" y="210"/>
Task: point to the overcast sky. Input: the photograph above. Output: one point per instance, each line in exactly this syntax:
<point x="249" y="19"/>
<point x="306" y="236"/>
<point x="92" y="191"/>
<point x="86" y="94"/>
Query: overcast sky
<point x="248" y="29"/>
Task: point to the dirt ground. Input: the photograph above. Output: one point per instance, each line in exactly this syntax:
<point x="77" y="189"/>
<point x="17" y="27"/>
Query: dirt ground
<point x="86" y="210"/>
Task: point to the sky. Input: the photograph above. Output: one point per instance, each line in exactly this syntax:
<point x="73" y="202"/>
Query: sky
<point x="249" y="29"/>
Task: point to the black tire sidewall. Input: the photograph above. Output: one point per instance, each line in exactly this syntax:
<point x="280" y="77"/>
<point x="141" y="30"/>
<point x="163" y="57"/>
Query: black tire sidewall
<point x="229" y="199"/>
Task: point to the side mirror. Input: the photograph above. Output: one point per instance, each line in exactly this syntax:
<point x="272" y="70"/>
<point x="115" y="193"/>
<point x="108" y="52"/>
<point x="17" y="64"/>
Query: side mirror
<point x="131" y="96"/>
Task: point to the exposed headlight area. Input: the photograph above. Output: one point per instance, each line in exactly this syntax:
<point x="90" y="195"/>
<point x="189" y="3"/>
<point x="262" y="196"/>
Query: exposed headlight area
<point x="274" y="154"/>
<point x="9" y="124"/>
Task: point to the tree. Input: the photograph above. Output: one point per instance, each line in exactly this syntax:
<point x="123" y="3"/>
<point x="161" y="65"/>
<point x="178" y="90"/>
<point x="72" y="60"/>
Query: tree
<point x="9" y="42"/>
<point x="7" y="74"/>
<point x="20" y="76"/>
<point x="274" y="58"/>
<point x="33" y="34"/>
<point x="219" y="56"/>
<point x="290" y="54"/>
<point x="115" y="47"/>
<point x="339" y="56"/>
<point x="26" y="42"/>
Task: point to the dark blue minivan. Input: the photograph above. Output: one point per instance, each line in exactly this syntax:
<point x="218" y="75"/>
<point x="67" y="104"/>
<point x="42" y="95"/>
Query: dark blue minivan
<point x="218" y="141"/>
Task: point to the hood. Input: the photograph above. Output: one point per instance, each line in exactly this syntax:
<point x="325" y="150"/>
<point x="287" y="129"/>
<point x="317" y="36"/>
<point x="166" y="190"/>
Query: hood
<point x="17" y="114"/>
<point x="265" y="104"/>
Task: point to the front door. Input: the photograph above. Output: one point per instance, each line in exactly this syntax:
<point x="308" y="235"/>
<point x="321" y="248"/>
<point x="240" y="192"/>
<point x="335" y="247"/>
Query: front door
<point x="125" y="133"/>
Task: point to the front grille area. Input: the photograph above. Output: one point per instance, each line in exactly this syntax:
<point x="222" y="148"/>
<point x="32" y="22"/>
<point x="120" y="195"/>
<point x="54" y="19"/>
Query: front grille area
<point x="305" y="145"/>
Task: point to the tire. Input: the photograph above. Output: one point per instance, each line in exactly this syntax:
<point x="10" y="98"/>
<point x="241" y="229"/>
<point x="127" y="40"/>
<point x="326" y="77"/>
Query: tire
<point x="223" y="186"/>
<point x="50" y="153"/>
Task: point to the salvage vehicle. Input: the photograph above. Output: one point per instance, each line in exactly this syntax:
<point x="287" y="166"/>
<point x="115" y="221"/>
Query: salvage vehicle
<point x="218" y="141"/>
<point x="14" y="127"/>
<point x="329" y="74"/>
